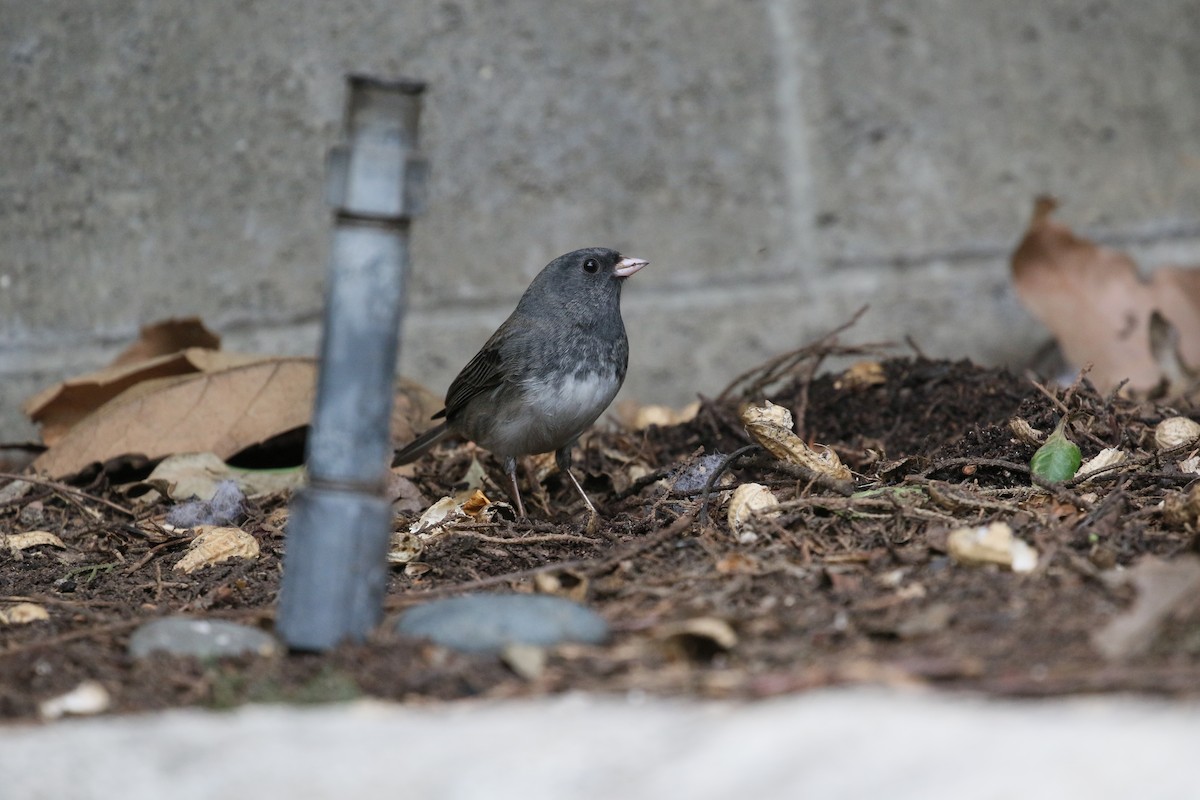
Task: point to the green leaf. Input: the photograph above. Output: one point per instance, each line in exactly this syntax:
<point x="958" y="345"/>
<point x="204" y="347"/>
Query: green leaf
<point x="1058" y="459"/>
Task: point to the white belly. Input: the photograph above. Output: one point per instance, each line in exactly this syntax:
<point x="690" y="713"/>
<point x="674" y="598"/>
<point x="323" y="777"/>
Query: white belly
<point x="560" y="412"/>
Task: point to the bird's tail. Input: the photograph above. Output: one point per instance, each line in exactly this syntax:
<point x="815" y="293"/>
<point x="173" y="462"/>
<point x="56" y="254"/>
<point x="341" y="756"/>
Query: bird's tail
<point x="417" y="447"/>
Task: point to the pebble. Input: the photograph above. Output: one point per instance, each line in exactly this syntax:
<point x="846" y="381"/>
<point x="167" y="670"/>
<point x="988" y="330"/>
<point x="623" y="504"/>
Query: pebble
<point x="488" y="623"/>
<point x="204" y="638"/>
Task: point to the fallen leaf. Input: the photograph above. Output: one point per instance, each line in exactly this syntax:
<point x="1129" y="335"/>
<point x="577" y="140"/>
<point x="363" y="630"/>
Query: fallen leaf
<point x="860" y="375"/>
<point x="663" y="416"/>
<point x="475" y="506"/>
<point x="697" y="639"/>
<point x="738" y="564"/>
<point x="1058" y="459"/>
<point x="23" y="614"/>
<point x="215" y="545"/>
<point x="1177" y="378"/>
<point x="196" y="475"/>
<point x="415" y="569"/>
<point x="168" y="336"/>
<point x="405" y="495"/>
<point x="221" y="412"/>
<point x="434" y="515"/>
<point x="563" y="583"/>
<point x="1108" y="457"/>
<point x="23" y="541"/>
<point x="1190" y="464"/>
<point x="1163" y="587"/>
<point x="1177" y="297"/>
<point x="526" y="660"/>
<point x="62" y="407"/>
<point x="413" y="407"/>
<point x="1097" y="305"/>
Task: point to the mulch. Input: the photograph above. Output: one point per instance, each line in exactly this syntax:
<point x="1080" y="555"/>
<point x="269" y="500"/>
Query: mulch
<point x="837" y="589"/>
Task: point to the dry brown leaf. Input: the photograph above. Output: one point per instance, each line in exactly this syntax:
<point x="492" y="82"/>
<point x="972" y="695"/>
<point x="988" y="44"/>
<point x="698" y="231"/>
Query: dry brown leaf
<point x="188" y="475"/>
<point x="1164" y="587"/>
<point x="1096" y="304"/>
<point x="65" y="405"/>
<point x="642" y="417"/>
<point x="23" y="541"/>
<point x="215" y="545"/>
<point x="563" y="583"/>
<point x="1176" y="293"/>
<point x="23" y="614"/>
<point x="860" y="375"/>
<point x="1108" y="457"/>
<point x="413" y="408"/>
<point x="696" y="638"/>
<point x="221" y="412"/>
<point x="527" y="660"/>
<point x="405" y="495"/>
<point x="168" y="336"/>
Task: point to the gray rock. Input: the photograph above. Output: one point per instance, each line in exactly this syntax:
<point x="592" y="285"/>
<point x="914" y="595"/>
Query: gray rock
<point x="204" y="638"/>
<point x="490" y="622"/>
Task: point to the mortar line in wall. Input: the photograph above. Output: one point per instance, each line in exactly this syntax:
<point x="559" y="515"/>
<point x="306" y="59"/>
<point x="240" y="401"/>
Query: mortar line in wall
<point x="1165" y="236"/>
<point x="790" y="41"/>
<point x="747" y="285"/>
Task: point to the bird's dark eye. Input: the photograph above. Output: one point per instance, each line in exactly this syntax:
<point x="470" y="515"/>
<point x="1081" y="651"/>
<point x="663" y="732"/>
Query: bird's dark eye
<point x="591" y="265"/>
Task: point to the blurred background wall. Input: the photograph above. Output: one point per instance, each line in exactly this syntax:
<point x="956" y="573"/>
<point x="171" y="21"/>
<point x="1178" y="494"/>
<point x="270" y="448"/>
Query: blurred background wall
<point x="780" y="162"/>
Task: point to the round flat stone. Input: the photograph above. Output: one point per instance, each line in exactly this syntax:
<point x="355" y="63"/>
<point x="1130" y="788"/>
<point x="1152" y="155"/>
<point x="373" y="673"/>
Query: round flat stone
<point x="205" y="638"/>
<point x="483" y="623"/>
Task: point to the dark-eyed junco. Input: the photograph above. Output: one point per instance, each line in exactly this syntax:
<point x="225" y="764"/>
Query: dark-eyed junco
<point x="548" y="372"/>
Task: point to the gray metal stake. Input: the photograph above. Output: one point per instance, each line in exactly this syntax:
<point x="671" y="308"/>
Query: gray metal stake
<point x="338" y="527"/>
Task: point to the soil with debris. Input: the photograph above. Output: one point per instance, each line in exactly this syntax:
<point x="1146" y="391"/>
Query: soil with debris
<point x="847" y="584"/>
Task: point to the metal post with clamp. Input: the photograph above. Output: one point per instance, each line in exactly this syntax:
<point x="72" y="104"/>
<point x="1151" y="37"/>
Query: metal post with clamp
<point x="335" y="566"/>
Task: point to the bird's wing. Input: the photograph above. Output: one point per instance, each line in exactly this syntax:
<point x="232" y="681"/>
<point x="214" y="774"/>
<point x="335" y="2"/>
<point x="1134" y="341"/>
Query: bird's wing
<point x="483" y="372"/>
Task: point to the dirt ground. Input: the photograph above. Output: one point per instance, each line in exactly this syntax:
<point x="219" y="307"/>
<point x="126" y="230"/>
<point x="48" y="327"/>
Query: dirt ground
<point x="839" y="588"/>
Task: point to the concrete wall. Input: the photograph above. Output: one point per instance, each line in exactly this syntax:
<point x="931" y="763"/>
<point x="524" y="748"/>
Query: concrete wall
<point x="780" y="162"/>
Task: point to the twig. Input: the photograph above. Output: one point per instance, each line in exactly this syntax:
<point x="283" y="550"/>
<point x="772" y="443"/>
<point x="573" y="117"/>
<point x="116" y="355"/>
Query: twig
<point x="151" y="553"/>
<point x="974" y="462"/>
<point x="70" y="636"/>
<point x="62" y="487"/>
<point x="545" y="537"/>
<point x="772" y="370"/>
<point x="585" y="565"/>
<point x="716" y="475"/>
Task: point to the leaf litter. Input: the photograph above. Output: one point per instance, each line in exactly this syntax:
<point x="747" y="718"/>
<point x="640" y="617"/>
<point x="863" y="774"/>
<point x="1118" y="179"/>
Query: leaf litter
<point x="887" y="523"/>
<point x="817" y="588"/>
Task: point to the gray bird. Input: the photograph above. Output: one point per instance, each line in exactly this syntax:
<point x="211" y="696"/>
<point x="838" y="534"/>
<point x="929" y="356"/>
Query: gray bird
<point x="548" y="372"/>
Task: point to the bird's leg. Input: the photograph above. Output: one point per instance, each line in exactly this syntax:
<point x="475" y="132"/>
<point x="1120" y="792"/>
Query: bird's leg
<point x="562" y="458"/>
<point x="510" y="467"/>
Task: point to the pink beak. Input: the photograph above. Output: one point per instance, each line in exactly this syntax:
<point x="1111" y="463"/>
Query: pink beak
<point x="628" y="266"/>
